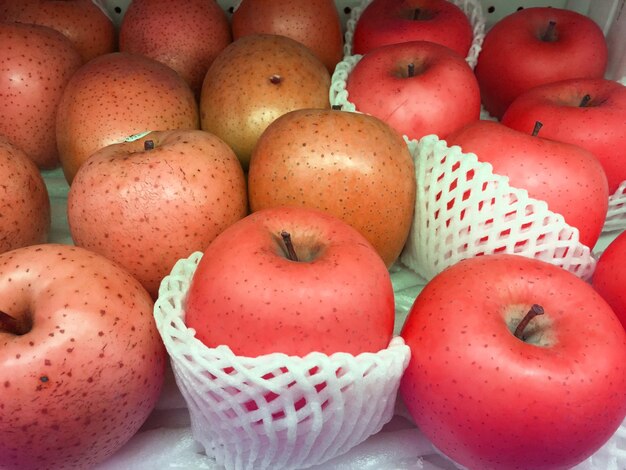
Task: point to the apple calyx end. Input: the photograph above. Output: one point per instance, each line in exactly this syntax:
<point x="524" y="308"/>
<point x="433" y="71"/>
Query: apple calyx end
<point x="534" y="310"/>
<point x="148" y="145"/>
<point x="14" y="326"/>
<point x="291" y="252"/>
<point x="584" y="101"/>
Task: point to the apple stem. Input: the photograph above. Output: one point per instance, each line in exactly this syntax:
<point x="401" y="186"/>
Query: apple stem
<point x="416" y="14"/>
<point x="537" y="128"/>
<point x="12" y="325"/>
<point x="276" y="79"/>
<point x="585" y="101"/>
<point x="411" y="70"/>
<point x="291" y="252"/>
<point x="549" y="35"/>
<point x="521" y="326"/>
<point x="148" y="145"/>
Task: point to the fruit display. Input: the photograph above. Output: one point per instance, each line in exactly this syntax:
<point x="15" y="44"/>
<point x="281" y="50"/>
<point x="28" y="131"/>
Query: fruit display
<point x="348" y="234"/>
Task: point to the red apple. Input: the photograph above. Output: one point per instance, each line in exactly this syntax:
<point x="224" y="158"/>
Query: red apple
<point x="84" y="23"/>
<point x="149" y="202"/>
<point x="291" y="280"/>
<point x="534" y="46"/>
<point x="590" y="113"/>
<point x="117" y="95"/>
<point x="81" y="360"/>
<point x="493" y="393"/>
<point x="36" y="63"/>
<point x="418" y="88"/>
<point x="349" y="165"/>
<point x="568" y="178"/>
<point x="609" y="278"/>
<point x="186" y="36"/>
<point x="24" y="201"/>
<point x="314" y="23"/>
<point x="384" y="22"/>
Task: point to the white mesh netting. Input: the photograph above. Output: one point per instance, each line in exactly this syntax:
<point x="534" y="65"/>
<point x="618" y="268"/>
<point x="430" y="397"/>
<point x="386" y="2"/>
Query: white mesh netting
<point x="275" y="411"/>
<point x="463" y="209"/>
<point x="472" y="8"/>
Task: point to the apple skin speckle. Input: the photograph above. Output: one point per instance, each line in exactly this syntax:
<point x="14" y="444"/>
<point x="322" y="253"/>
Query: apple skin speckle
<point x="74" y="410"/>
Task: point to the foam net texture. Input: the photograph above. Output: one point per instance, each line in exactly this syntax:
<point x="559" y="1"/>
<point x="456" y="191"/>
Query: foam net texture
<point x="472" y="8"/>
<point x="275" y="411"/>
<point x="463" y="209"/>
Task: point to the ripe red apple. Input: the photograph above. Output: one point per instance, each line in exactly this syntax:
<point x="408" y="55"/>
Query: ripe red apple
<point x="36" y="63"/>
<point x="350" y="165"/>
<point x="291" y="280"/>
<point x="81" y="360"/>
<point x="314" y="23"/>
<point x="534" y="46"/>
<point x="84" y="23"/>
<point x="149" y="202"/>
<point x="117" y="95"/>
<point x="419" y="88"/>
<point x="384" y="22"/>
<point x="568" y="178"/>
<point x="186" y="36"/>
<point x="590" y="113"/>
<point x="609" y="278"/>
<point x="24" y="201"/>
<point x="256" y="79"/>
<point x="493" y="393"/>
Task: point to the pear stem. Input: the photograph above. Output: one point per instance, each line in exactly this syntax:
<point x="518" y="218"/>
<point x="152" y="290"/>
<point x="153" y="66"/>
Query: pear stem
<point x="537" y="128"/>
<point x="585" y="101"/>
<point x="148" y="145"/>
<point x="291" y="252"/>
<point x="549" y="35"/>
<point x="12" y="325"/>
<point x="521" y="326"/>
<point x="336" y="107"/>
<point x="276" y="79"/>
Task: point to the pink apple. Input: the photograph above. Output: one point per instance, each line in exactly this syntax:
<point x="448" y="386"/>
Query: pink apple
<point x="494" y="394"/>
<point x="186" y="36"/>
<point x="418" y="88"/>
<point x="385" y="22"/>
<point x="568" y="178"/>
<point x="81" y="360"/>
<point x="609" y="277"/>
<point x="590" y="113"/>
<point x="291" y="280"/>
<point x="534" y="46"/>
<point x="24" y="201"/>
<point x="149" y="202"/>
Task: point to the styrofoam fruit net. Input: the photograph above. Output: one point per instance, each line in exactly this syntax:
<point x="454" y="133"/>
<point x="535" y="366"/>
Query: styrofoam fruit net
<point x="274" y="411"/>
<point x="463" y="210"/>
<point x="472" y="8"/>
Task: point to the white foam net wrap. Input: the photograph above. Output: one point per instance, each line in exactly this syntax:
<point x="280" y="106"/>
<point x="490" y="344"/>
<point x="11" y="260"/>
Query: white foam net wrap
<point x="472" y="8"/>
<point x="616" y="215"/>
<point x="463" y="209"/>
<point x="275" y="411"/>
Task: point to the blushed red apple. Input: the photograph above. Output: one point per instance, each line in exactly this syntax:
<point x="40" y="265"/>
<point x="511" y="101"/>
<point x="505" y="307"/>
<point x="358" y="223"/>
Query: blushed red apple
<point x="291" y="280"/>
<point x="186" y="36"/>
<point x="516" y="363"/>
<point x="149" y="202"/>
<point x="590" y="113"/>
<point x="36" y="64"/>
<point x="418" y="88"/>
<point x="81" y="360"/>
<point x="534" y="46"/>
<point x="384" y="22"/>
<point x="350" y="165"/>
<point x="568" y="178"/>
<point x="609" y="278"/>
<point x="115" y="96"/>
<point x="24" y="201"/>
